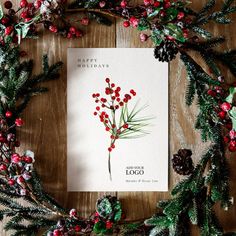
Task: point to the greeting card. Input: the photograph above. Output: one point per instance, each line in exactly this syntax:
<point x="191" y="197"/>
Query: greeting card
<point x="117" y="120"/>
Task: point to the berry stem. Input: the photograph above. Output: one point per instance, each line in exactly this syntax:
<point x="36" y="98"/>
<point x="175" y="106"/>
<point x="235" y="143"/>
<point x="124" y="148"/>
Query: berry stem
<point x="104" y="12"/>
<point x="109" y="166"/>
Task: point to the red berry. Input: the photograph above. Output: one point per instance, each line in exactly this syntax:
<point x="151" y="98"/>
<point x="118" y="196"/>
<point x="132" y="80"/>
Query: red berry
<point x="156" y="4"/>
<point x="98" y="108"/>
<point x="37" y="4"/>
<point x="232" y="134"/>
<point x="95" y="113"/>
<point x="126" y="24"/>
<point x="107" y="128"/>
<point x="222" y="114"/>
<point x="123" y="3"/>
<point x="3" y="167"/>
<point x="8" y="114"/>
<point x="72" y="29"/>
<point x="27" y="159"/>
<point x="24" y="14"/>
<point x="17" y="143"/>
<point x="170" y="38"/>
<point x="226" y="139"/>
<point x="127" y="96"/>
<point x="23" y="3"/>
<point x="20" y="180"/>
<point x="85" y="21"/>
<point x="180" y="15"/>
<point x="147" y="2"/>
<point x="113" y="146"/>
<point x="107" y="80"/>
<point x="57" y="232"/>
<point x="134" y="21"/>
<point x="232" y="143"/>
<point x="167" y="5"/>
<point x="118" y="89"/>
<point x="73" y="212"/>
<point x="109" y="149"/>
<point x="30" y="5"/>
<point x="143" y="37"/>
<point x="8" y="30"/>
<point x="228" y="126"/>
<point x="225" y="106"/>
<point x="11" y="182"/>
<point x="211" y="92"/>
<point x="125" y="126"/>
<point x="162" y="13"/>
<point x="15" y="158"/>
<point x="109" y="225"/>
<point x="8" y="4"/>
<point x="53" y="28"/>
<point x="19" y="122"/>
<point x="28" y="19"/>
<point x="232" y="148"/>
<point x="78" y="34"/>
<point x="77" y="228"/>
<point x="132" y="92"/>
<point x="5" y="20"/>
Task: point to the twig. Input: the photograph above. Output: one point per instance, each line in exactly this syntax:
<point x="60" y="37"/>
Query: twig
<point x="93" y="10"/>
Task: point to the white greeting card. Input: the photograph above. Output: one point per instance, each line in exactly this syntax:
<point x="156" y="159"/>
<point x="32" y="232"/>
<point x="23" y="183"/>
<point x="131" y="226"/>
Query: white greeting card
<point x="117" y="120"/>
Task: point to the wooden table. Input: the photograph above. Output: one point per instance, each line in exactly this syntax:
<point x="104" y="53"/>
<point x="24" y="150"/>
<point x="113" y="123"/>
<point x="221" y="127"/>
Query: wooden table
<point x="45" y="119"/>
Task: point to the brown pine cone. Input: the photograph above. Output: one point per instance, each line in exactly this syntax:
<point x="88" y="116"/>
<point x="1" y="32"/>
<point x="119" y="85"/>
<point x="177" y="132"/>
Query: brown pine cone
<point x="182" y="162"/>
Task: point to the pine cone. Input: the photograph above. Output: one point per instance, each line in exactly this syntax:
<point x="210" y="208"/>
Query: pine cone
<point x="182" y="162"/>
<point x="166" y="51"/>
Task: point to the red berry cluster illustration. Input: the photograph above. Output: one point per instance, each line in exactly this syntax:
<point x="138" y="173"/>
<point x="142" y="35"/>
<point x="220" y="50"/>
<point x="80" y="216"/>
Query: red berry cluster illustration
<point x="112" y="111"/>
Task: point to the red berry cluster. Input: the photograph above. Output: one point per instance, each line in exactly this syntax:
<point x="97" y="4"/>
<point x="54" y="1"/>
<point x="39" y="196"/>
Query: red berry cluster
<point x="52" y="15"/>
<point x="230" y="138"/>
<point x="7" y="137"/>
<point x="69" y="226"/>
<point x="223" y="112"/>
<point x="96" y="219"/>
<point x="27" y="13"/>
<point x="30" y="14"/>
<point x="162" y="7"/>
<point x="15" y="168"/>
<point x="113" y="102"/>
<point x="74" y="224"/>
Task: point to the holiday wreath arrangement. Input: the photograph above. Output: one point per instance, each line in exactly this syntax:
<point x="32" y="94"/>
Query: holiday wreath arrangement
<point x="174" y="28"/>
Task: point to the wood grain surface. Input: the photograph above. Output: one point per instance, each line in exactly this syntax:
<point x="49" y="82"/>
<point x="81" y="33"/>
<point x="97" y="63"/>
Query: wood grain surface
<point x="45" y="121"/>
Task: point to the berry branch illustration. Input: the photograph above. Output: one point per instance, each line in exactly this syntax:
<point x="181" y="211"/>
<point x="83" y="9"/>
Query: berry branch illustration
<point x="118" y="119"/>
